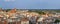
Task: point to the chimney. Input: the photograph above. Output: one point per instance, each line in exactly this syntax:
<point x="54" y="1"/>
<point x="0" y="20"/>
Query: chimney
<point x="0" y="9"/>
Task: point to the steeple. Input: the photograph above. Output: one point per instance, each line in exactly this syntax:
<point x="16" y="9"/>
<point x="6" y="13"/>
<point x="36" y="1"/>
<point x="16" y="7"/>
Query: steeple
<point x="13" y="10"/>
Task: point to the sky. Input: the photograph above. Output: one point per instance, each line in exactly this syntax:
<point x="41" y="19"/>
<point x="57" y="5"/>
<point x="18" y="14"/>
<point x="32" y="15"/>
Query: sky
<point x="30" y="4"/>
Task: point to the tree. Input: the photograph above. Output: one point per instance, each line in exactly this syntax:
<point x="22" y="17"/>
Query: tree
<point x="57" y="21"/>
<point x="8" y="10"/>
<point x="37" y="11"/>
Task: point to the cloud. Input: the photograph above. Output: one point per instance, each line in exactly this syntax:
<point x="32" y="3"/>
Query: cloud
<point x="9" y="0"/>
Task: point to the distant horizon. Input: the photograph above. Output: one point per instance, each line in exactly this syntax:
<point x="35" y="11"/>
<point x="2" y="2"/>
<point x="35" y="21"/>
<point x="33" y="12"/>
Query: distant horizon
<point x="20" y="8"/>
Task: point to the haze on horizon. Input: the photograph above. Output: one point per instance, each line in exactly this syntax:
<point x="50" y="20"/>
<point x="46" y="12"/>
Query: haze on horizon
<point x="30" y="4"/>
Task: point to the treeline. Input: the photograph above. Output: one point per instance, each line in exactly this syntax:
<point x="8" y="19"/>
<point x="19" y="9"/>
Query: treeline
<point x="37" y="11"/>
